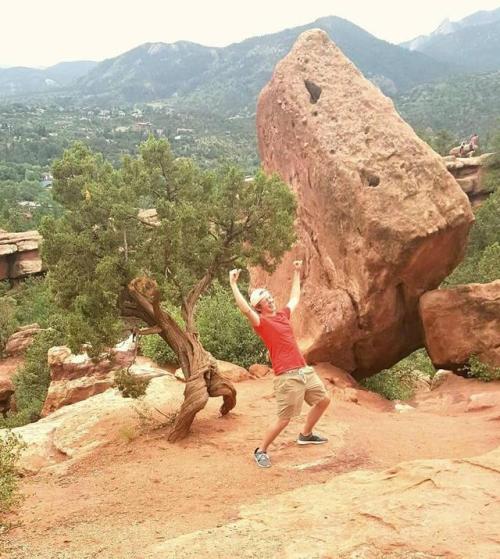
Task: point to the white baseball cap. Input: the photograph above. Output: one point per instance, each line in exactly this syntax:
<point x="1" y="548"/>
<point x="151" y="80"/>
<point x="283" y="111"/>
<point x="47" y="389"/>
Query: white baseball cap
<point x="257" y="296"/>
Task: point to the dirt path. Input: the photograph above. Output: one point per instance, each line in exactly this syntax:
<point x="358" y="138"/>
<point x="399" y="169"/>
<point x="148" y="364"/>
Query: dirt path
<point x="131" y="495"/>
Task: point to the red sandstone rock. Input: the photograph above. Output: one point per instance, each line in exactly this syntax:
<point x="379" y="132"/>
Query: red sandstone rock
<point x="19" y="342"/>
<point x="380" y="219"/>
<point x="259" y="371"/>
<point x="19" y="254"/>
<point x="462" y="321"/>
<point x="469" y="173"/>
<point x="6" y="394"/>
<point x="77" y="377"/>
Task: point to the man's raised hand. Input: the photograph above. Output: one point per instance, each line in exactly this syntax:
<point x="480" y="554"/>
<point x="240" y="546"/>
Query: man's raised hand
<point x="234" y="275"/>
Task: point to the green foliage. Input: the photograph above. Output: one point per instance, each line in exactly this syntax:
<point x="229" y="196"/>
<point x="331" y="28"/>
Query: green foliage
<point x="481" y="263"/>
<point x="441" y="142"/>
<point x="158" y="350"/>
<point x="34" y="302"/>
<point x="482" y="371"/>
<point x="225" y="332"/>
<point x="462" y="104"/>
<point x="129" y="385"/>
<point x="393" y="384"/>
<point x="8" y="322"/>
<point x="32" y="380"/>
<point x="28" y="302"/>
<point x="398" y="382"/>
<point x="11" y="446"/>
<point x="208" y="221"/>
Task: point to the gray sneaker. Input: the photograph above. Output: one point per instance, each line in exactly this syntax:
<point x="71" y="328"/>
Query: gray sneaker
<point x="262" y="458"/>
<point x="311" y="439"/>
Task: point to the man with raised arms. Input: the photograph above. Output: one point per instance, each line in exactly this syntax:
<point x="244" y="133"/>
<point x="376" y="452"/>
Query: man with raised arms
<point x="294" y="381"/>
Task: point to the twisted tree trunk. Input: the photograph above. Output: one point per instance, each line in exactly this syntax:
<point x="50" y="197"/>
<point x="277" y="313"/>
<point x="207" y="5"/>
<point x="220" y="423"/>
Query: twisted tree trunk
<point x="203" y="379"/>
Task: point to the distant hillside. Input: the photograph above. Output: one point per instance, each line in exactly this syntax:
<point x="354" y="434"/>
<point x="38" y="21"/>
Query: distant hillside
<point x="474" y="42"/>
<point x="447" y="27"/>
<point x="22" y="81"/>
<point x="230" y="78"/>
<point x="462" y="105"/>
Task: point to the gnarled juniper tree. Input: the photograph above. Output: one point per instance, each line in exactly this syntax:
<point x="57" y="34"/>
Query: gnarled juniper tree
<point x="107" y="259"/>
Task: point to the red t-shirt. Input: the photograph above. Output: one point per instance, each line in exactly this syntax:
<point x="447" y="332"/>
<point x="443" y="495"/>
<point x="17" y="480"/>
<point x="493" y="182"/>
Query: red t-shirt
<point x="276" y="332"/>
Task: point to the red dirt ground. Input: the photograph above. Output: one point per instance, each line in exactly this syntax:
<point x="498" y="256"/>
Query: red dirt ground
<point x="133" y="494"/>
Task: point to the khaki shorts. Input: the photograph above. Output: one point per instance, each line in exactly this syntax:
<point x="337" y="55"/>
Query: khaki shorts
<point x="295" y="386"/>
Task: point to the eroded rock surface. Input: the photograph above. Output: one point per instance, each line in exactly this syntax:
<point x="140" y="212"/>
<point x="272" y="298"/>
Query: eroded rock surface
<point x="380" y="219"/>
<point x="77" y="377"/>
<point x="426" y="509"/>
<point x="74" y="431"/>
<point x="20" y="341"/>
<point x="462" y="321"/>
<point x="469" y="173"/>
<point x="19" y="254"/>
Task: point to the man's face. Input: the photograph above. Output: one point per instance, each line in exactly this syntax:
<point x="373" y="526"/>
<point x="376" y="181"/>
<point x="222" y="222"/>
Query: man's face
<point x="267" y="304"/>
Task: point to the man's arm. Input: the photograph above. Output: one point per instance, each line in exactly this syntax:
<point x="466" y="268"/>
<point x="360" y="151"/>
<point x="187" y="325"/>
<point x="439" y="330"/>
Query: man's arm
<point x="295" y="292"/>
<point x="241" y="302"/>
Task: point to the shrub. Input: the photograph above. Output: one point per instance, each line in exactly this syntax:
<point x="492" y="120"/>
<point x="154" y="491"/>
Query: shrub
<point x="34" y="302"/>
<point x="481" y="263"/>
<point x="32" y="380"/>
<point x="225" y="332"/>
<point x="8" y="322"/>
<point x="10" y="449"/>
<point x="477" y="369"/>
<point x="158" y="350"/>
<point x="129" y="385"/>
<point x="394" y="384"/>
<point x="398" y="382"/>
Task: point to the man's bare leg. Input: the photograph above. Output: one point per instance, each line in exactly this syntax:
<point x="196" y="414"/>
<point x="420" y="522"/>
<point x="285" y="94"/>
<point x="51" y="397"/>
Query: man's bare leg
<point x="314" y="415"/>
<point x="272" y="433"/>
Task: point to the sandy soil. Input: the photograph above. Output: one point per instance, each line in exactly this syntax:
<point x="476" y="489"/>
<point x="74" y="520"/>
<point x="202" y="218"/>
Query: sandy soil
<point x="131" y="495"/>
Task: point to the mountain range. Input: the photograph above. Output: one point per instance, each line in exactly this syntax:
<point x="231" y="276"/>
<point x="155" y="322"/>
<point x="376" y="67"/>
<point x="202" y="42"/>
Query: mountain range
<point x="236" y="72"/>
<point x="472" y="43"/>
<point x="19" y="80"/>
<point x="227" y="80"/>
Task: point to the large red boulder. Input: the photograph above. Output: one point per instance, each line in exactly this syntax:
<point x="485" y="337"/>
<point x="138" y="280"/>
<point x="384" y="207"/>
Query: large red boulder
<point x="462" y="321"/>
<point x="380" y="220"/>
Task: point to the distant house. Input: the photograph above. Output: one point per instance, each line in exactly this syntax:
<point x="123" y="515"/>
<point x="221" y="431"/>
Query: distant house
<point x="141" y="126"/>
<point x="47" y="180"/>
<point x="29" y="204"/>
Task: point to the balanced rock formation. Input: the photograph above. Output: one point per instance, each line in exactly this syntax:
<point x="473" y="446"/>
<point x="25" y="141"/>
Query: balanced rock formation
<point x="20" y="341"/>
<point x="380" y="220"/>
<point x="462" y="321"/>
<point x="469" y="173"/>
<point x="19" y="254"/>
<point x="77" y="377"/>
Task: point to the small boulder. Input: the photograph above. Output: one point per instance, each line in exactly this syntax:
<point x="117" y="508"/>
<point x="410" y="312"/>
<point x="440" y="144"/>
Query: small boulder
<point x="259" y="371"/>
<point x="19" y="342"/>
<point x="483" y="401"/>
<point x="233" y="372"/>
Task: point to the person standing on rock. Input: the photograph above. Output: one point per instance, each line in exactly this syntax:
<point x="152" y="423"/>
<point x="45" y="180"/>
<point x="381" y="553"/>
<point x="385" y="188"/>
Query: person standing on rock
<point x="294" y="381"/>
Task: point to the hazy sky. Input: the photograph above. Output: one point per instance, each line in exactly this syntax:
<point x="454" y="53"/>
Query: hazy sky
<point x="44" y="32"/>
